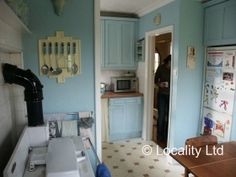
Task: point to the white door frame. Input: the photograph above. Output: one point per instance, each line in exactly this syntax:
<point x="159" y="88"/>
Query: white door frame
<point x="149" y="77"/>
<point x="97" y="58"/>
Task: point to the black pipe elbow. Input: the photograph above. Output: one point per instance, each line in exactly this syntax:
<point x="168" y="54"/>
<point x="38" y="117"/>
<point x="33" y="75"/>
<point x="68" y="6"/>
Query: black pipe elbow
<point x="33" y="91"/>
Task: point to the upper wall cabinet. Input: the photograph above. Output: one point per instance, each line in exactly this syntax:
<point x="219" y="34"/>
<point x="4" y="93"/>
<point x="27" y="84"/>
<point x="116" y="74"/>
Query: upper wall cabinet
<point x="220" y="24"/>
<point x="118" y="37"/>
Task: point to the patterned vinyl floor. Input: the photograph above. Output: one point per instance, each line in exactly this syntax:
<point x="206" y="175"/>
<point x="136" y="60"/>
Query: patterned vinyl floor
<point x="126" y="159"/>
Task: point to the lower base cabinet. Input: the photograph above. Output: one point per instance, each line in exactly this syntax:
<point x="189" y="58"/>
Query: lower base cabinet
<point x="125" y="118"/>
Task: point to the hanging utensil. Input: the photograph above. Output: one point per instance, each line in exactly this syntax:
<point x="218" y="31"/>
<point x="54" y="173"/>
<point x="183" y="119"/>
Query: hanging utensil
<point x="74" y="68"/>
<point x="44" y="68"/>
<point x="50" y="56"/>
<point x="56" y="71"/>
<point x="69" y="62"/>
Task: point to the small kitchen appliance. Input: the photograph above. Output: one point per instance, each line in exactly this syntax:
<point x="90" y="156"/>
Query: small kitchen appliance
<point x="124" y="84"/>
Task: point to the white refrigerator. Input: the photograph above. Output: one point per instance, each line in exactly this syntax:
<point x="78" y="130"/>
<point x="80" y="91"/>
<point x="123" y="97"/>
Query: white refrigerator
<point x="219" y="92"/>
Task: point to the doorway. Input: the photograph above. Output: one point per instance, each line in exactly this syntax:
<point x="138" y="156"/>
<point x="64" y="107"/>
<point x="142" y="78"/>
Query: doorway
<point x="162" y="50"/>
<point x="149" y="112"/>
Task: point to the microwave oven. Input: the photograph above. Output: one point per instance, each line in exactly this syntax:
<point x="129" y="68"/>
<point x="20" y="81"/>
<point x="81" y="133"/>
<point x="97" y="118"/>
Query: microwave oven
<point x="124" y="84"/>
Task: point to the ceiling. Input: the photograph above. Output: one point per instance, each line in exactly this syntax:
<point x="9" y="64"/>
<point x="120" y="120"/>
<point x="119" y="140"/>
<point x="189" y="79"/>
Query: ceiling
<point x="139" y="7"/>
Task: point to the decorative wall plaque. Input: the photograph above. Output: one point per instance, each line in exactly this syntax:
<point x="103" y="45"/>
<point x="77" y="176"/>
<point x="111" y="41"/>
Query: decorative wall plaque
<point x="59" y="57"/>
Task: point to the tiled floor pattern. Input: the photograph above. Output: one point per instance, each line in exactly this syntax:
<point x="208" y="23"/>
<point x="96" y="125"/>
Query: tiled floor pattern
<point x="125" y="159"/>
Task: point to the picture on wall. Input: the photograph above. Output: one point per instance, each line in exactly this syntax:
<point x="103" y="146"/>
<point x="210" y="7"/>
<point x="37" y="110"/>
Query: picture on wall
<point x="219" y="88"/>
<point x="218" y="124"/>
<point x="191" y="57"/>
<point x="229" y="60"/>
<point x="215" y="59"/>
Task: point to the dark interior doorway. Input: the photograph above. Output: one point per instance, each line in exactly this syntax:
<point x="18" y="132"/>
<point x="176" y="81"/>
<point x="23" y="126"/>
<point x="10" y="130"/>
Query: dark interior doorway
<point x="163" y="45"/>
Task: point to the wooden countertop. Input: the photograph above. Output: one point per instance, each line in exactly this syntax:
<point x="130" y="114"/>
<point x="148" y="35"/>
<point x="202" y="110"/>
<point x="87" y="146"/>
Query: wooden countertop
<point x="120" y="95"/>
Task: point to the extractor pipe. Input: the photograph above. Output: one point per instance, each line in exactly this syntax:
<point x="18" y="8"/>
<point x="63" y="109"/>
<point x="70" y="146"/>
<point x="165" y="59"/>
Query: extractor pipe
<point x="33" y="91"/>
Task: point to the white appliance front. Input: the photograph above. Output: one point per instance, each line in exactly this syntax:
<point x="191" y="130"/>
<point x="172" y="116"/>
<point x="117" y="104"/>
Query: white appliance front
<point x="219" y="92"/>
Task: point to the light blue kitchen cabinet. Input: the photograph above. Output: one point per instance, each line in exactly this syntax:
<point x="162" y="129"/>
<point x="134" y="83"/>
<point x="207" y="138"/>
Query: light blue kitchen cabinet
<point x="134" y="117"/>
<point x="118" y="43"/>
<point x="125" y="118"/>
<point x="113" y="44"/>
<point x="229" y="30"/>
<point x="220" y="24"/>
<point x="117" y="121"/>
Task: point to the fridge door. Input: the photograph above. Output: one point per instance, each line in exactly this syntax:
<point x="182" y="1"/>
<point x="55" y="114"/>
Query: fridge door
<point x="219" y="92"/>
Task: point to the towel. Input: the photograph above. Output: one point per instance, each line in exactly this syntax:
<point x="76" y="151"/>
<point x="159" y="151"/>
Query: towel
<point x="69" y="128"/>
<point x="85" y="123"/>
<point x="85" y="114"/>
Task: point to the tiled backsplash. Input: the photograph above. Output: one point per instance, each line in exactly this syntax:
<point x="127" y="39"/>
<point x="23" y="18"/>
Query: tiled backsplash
<point x="107" y="74"/>
<point x="141" y="76"/>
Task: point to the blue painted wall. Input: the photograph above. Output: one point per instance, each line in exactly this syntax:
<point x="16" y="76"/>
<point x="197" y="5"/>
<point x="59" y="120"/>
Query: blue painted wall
<point x="169" y="16"/>
<point x="187" y="18"/>
<point x="189" y="94"/>
<point x="77" y="94"/>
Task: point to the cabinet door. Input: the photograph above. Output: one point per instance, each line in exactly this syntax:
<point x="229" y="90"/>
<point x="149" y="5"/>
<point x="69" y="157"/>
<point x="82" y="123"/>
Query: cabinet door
<point x="128" y="42"/>
<point x="112" y="43"/>
<point x="117" y="121"/>
<point x="125" y="118"/>
<point x="213" y="24"/>
<point x="229" y="26"/>
<point x="134" y="117"/>
<point x="118" y="43"/>
<point x="220" y="24"/>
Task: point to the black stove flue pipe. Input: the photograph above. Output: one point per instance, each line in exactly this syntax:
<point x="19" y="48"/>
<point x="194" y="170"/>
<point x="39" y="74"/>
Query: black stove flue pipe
<point x="33" y="91"/>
